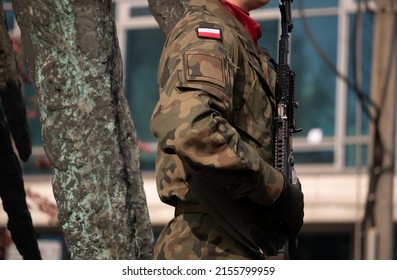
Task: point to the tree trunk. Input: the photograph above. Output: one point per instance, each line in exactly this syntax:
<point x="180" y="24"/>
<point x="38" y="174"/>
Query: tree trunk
<point x="167" y="13"/>
<point x="87" y="130"/>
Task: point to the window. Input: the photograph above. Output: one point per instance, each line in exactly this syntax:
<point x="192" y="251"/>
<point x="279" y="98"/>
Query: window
<point x="357" y="121"/>
<point x="315" y="82"/>
<point x="143" y="54"/>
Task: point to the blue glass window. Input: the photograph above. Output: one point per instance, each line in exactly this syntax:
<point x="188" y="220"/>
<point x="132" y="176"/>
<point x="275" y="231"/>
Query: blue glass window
<point x="363" y="70"/>
<point x="316" y="3"/>
<point x="144" y="48"/>
<point x="269" y="38"/>
<point x="315" y="82"/>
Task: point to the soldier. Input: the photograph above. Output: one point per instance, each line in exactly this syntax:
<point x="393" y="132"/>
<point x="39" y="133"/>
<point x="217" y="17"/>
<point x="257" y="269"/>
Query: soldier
<point x="214" y="125"/>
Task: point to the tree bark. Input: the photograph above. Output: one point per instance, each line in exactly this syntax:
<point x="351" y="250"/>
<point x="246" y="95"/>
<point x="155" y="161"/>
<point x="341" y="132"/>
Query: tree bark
<point x="87" y="130"/>
<point x="167" y="13"/>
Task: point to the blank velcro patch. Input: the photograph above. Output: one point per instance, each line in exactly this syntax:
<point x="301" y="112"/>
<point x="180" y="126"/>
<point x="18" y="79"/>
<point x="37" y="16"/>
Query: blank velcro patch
<point x="204" y="67"/>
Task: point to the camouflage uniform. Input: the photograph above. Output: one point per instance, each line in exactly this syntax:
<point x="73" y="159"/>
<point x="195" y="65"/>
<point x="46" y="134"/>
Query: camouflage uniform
<point x="214" y="120"/>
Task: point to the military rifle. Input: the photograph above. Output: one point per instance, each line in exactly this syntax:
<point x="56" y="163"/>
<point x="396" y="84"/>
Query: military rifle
<point x="285" y="105"/>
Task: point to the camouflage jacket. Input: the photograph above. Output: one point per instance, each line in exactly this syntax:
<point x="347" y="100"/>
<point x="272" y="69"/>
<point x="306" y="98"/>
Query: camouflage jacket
<point x="215" y="111"/>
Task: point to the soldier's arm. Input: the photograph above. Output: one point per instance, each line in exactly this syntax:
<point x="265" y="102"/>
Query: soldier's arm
<point x="192" y="118"/>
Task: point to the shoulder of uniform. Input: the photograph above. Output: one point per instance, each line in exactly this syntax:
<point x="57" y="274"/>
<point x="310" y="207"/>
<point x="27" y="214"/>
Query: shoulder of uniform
<point x="204" y="28"/>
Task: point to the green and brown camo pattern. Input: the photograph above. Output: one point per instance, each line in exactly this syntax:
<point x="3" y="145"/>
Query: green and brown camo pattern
<point x="198" y="237"/>
<point x="215" y="111"/>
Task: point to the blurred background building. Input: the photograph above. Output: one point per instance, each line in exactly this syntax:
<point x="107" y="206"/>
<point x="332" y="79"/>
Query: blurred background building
<point x="333" y="56"/>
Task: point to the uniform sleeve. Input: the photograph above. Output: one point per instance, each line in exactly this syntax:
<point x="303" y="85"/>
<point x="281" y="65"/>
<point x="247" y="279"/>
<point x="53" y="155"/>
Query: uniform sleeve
<point x="192" y="119"/>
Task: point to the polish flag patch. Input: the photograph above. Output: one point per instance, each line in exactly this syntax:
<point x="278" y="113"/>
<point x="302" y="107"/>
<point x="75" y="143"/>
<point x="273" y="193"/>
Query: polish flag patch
<point x="211" y="33"/>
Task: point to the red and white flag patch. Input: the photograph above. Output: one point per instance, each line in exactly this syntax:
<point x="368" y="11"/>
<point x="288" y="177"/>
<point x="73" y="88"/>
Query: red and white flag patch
<point x="211" y="33"/>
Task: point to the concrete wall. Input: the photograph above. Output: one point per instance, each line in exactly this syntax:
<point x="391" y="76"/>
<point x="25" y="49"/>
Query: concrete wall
<point x="329" y="198"/>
